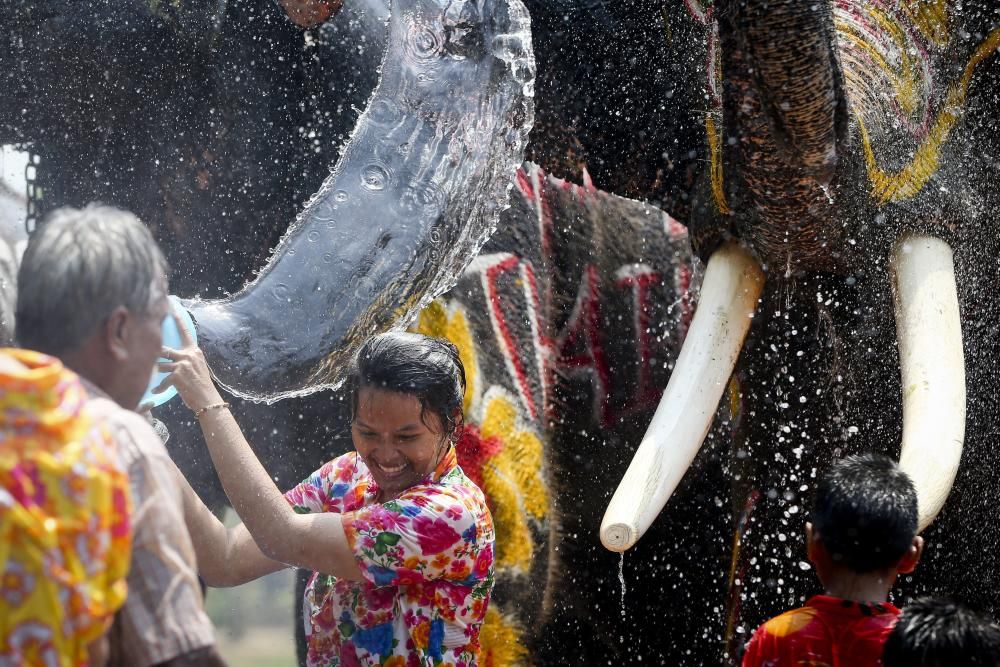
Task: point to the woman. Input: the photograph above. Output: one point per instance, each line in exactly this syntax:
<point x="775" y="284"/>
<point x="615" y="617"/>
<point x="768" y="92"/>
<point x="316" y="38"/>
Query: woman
<point x="400" y="540"/>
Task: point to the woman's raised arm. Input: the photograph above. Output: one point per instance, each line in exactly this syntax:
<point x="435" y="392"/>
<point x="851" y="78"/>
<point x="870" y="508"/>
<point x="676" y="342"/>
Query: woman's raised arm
<point x="312" y="541"/>
<point x="226" y="556"/>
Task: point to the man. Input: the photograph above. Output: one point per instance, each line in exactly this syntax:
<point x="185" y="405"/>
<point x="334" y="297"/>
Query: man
<point x="92" y="291"/>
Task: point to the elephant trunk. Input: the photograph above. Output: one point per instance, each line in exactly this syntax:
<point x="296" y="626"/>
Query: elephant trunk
<point x="932" y="365"/>
<point x="418" y="189"/>
<point x="729" y="293"/>
<point x="786" y="116"/>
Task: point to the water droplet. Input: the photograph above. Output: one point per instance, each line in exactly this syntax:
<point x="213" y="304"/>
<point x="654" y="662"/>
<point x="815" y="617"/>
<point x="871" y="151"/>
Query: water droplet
<point x="375" y="177"/>
<point x="280" y="292"/>
<point x="424" y="42"/>
<point x="341" y="196"/>
<point x="621" y="579"/>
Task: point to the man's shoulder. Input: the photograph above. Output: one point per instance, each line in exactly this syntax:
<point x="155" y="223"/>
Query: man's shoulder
<point x="128" y="428"/>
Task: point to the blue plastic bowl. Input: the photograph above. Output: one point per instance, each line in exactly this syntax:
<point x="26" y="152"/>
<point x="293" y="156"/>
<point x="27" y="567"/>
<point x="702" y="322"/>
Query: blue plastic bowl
<point x="171" y="338"/>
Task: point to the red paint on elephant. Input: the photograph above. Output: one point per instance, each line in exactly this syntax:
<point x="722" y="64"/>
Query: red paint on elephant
<point x="474" y="451"/>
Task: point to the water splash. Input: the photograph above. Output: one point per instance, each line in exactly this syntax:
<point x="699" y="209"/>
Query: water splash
<point x="621" y="579"/>
<point x="416" y="193"/>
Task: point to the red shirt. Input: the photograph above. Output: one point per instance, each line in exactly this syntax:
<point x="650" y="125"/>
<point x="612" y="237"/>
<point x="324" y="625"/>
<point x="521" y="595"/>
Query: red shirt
<point x="826" y="632"/>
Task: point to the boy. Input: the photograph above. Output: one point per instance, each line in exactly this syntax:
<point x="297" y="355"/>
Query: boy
<point x="939" y="633"/>
<point x="863" y="534"/>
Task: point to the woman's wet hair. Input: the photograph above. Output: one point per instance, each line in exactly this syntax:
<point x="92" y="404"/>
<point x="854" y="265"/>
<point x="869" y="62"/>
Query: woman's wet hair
<point x="407" y="363"/>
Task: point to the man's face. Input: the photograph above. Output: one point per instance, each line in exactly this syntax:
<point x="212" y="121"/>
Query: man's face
<point x="144" y="342"/>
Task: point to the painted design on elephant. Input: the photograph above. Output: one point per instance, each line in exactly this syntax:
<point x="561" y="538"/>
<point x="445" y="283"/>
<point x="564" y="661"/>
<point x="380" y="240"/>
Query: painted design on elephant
<point x="501" y="641"/>
<point x="498" y="448"/>
<point x="500" y="451"/>
<point x="739" y="567"/>
<point x="907" y="182"/>
<point x="901" y="48"/>
<point x="581" y="346"/>
<point x="704" y="14"/>
<point x="495" y="270"/>
<point x="713" y="132"/>
<point x="930" y="17"/>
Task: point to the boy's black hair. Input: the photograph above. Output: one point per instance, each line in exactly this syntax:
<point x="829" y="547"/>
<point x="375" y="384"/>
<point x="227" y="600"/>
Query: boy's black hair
<point x="865" y="512"/>
<point x="429" y="369"/>
<point x="933" y="632"/>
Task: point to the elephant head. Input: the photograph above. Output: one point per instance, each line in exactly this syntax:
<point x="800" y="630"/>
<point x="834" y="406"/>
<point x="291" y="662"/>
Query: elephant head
<point x="843" y="161"/>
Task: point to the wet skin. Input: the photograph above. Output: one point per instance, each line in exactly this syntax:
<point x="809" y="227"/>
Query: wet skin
<point x="399" y="442"/>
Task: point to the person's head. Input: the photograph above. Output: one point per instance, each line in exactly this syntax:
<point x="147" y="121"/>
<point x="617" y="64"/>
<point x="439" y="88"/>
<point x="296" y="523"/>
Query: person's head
<point x="864" y="519"/>
<point x="406" y="392"/>
<point x="92" y="290"/>
<point x="934" y="632"/>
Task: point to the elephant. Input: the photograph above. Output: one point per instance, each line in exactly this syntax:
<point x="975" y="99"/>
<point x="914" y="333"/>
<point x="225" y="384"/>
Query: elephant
<point x="807" y="150"/>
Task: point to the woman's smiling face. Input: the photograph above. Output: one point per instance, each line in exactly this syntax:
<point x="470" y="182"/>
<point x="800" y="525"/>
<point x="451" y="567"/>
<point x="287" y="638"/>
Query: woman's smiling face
<point x="390" y="434"/>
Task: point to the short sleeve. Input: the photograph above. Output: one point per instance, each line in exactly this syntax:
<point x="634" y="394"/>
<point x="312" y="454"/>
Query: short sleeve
<point x="421" y="536"/>
<point x="325" y="489"/>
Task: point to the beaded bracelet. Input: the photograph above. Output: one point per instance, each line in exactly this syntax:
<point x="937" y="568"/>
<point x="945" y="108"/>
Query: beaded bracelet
<point x="214" y="406"/>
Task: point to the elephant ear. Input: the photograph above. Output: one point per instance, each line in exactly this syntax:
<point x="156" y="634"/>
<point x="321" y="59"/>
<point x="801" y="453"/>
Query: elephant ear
<point x="624" y="85"/>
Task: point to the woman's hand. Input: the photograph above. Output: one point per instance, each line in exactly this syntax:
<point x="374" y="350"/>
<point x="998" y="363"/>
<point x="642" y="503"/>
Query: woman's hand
<point x="189" y="373"/>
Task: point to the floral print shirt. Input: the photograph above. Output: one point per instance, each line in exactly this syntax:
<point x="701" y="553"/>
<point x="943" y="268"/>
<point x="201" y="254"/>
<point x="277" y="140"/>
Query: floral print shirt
<point x="427" y="561"/>
<point x="64" y="517"/>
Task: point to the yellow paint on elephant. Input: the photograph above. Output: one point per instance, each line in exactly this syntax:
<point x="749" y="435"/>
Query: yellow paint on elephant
<point x="907" y="182"/>
<point x="513" y="482"/>
<point x="930" y="17"/>
<point x="905" y="77"/>
<point x="500" y="641"/>
<point x="522" y="453"/>
<point x="435" y="321"/>
<point x="715" y="155"/>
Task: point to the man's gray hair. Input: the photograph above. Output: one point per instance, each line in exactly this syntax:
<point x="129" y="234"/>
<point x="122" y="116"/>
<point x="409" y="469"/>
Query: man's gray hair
<point x="78" y="267"/>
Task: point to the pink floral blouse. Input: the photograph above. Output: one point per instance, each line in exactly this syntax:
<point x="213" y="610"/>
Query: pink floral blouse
<point x="427" y="560"/>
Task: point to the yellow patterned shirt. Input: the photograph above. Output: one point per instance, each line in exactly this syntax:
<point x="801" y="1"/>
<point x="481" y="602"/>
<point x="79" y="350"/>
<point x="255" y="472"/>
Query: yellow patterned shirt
<point x="65" y="537"/>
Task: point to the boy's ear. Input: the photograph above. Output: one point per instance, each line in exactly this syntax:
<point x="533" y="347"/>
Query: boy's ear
<point x="909" y="561"/>
<point x="812" y="543"/>
<point x="115" y="333"/>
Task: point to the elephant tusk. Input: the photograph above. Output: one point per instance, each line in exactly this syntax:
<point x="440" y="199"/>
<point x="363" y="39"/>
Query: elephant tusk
<point x="729" y="293"/>
<point x="932" y="365"/>
<point x="418" y="189"/>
